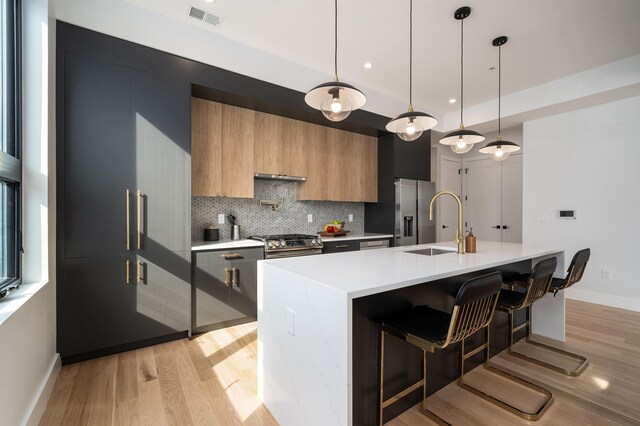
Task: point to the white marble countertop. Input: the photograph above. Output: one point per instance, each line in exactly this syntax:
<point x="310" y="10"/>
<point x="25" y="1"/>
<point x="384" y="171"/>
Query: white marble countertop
<point x="224" y="245"/>
<point x="361" y="273"/>
<point x="356" y="236"/>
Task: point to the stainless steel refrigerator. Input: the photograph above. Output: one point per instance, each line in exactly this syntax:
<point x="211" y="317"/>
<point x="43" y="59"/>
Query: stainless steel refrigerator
<point x="412" y="212"/>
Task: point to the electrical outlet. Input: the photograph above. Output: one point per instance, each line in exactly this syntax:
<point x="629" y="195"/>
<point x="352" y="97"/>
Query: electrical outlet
<point x="350" y="218"/>
<point x="310" y="218"/>
<point x="291" y="322"/>
<point x="221" y="219"/>
<point x="605" y="274"/>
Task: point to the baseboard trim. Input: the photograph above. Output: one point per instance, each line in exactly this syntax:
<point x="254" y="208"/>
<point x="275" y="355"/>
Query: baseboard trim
<point x="39" y="404"/>
<point x="627" y="303"/>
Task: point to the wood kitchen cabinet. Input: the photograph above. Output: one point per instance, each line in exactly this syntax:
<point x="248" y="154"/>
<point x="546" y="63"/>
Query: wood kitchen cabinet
<point x="341" y="166"/>
<point x="269" y="144"/>
<point x="231" y="144"/>
<point x="222" y="144"/>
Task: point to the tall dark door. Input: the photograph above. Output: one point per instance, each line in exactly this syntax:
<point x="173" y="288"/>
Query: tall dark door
<point x="162" y="143"/>
<point x="99" y="156"/>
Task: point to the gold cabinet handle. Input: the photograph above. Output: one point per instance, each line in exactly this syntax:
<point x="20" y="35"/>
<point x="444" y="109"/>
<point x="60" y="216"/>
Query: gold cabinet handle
<point x="126" y="271"/>
<point x="128" y="224"/>
<point x="230" y="256"/>
<point x="226" y="277"/>
<point x="139" y="269"/>
<point x="234" y="277"/>
<point x="139" y="198"/>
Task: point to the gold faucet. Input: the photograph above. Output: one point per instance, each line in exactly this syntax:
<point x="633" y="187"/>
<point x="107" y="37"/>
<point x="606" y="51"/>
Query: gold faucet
<point x="459" y="236"/>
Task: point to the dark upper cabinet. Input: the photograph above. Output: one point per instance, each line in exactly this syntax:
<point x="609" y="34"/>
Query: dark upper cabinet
<point x="412" y="160"/>
<point x="99" y="157"/>
<point x="162" y="143"/>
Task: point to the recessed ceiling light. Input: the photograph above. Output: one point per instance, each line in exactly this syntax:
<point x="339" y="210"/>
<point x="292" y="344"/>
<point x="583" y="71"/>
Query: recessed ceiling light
<point x="209" y="1"/>
<point x="452" y="100"/>
<point x="368" y="65"/>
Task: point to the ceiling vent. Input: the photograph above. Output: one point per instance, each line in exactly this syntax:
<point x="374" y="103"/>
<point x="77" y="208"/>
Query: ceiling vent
<point x="204" y="16"/>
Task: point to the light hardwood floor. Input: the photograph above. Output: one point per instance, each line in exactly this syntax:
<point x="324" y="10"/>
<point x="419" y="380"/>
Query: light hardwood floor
<point x="211" y="380"/>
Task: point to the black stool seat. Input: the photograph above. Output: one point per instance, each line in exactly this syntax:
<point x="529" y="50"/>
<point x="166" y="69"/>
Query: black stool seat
<point x="421" y="321"/>
<point x="537" y="284"/>
<point x="556" y="284"/>
<point x="510" y="299"/>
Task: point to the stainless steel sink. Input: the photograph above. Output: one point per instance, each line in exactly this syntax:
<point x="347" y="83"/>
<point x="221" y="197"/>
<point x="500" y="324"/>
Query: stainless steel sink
<point x="431" y="251"/>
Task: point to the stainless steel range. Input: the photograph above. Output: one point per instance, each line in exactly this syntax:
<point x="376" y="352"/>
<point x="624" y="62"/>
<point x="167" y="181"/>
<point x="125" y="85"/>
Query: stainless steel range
<point x="289" y="245"/>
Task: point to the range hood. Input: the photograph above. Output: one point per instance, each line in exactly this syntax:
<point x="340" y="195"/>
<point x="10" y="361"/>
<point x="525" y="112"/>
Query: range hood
<point x="279" y="177"/>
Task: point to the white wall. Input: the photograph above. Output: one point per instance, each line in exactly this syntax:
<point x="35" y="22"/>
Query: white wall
<point x="588" y="160"/>
<point x="28" y="359"/>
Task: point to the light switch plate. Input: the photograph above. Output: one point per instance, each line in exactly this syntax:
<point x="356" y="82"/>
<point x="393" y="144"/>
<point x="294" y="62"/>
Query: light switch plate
<point x="350" y="218"/>
<point x="291" y="322"/>
<point x="310" y="218"/>
<point x="221" y="219"/>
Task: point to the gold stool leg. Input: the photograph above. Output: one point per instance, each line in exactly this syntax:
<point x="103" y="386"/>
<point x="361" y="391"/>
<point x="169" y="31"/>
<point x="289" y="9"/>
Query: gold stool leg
<point x="502" y="404"/>
<point x="584" y="362"/>
<point x="422" y="383"/>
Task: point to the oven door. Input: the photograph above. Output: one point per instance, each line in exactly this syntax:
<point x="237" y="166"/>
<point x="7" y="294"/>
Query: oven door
<point x="292" y="253"/>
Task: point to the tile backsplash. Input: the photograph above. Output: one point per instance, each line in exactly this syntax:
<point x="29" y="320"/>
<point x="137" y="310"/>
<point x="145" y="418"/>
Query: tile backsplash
<point x="291" y="216"/>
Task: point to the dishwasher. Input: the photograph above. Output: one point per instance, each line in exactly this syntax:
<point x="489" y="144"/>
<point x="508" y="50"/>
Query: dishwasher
<point x="376" y="244"/>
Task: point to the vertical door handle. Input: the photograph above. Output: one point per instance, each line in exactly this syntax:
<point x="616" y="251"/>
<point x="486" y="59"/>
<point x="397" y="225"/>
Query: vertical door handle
<point x="139" y="269"/>
<point x="226" y="277"/>
<point x="139" y="196"/>
<point x="126" y="271"/>
<point x="128" y="215"/>
<point x="234" y="277"/>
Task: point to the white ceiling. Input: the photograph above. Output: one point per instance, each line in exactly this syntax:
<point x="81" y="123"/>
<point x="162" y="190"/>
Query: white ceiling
<point x="548" y="40"/>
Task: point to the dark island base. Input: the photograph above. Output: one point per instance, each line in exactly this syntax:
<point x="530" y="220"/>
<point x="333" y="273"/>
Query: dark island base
<point x="403" y="361"/>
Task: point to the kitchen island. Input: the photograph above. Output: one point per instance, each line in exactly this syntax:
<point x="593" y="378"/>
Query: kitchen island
<point x="317" y="332"/>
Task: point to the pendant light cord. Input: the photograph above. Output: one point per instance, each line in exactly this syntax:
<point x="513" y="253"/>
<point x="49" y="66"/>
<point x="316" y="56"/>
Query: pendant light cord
<point x="461" y="69"/>
<point x="499" y="86"/>
<point x="411" y="54"/>
<point x="335" y="38"/>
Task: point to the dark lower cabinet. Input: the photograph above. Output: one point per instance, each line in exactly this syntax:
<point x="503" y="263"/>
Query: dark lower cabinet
<point x="95" y="304"/>
<point x="340" y="246"/>
<point x="225" y="287"/>
<point x="123" y="161"/>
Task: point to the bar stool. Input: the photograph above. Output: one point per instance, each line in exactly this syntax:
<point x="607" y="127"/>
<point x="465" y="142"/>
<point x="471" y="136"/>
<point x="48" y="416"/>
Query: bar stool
<point x="511" y="301"/>
<point x="430" y="329"/>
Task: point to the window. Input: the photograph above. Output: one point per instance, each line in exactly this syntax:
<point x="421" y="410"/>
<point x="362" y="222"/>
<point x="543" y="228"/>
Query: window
<point x="10" y="165"/>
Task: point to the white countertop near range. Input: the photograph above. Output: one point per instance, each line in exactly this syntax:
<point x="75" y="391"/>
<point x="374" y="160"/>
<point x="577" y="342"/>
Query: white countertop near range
<point x="361" y="236"/>
<point x="224" y="245"/>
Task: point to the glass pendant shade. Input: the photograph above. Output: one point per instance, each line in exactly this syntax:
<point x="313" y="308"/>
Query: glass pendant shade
<point x="335" y="99"/>
<point x="410" y="125"/>
<point x="499" y="149"/>
<point x="461" y="146"/>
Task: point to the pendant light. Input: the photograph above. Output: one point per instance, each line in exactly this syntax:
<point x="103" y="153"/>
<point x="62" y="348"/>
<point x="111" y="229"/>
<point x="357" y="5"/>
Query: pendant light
<point x="410" y="125"/>
<point x="462" y="140"/>
<point x="335" y="99"/>
<point x="499" y="149"/>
